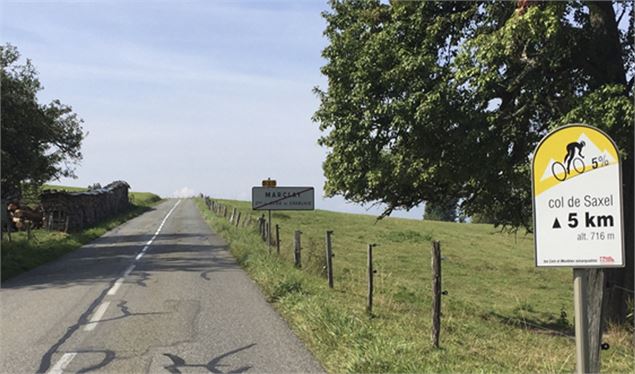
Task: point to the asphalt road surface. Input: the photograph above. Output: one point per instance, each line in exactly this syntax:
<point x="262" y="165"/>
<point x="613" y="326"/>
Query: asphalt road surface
<point x="159" y="294"/>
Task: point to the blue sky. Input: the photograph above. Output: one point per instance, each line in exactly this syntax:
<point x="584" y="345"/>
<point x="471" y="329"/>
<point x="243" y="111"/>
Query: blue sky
<point x="190" y="96"/>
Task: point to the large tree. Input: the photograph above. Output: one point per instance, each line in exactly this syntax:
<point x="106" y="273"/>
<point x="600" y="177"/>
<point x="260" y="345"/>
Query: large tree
<point x="428" y="101"/>
<point x="39" y="142"/>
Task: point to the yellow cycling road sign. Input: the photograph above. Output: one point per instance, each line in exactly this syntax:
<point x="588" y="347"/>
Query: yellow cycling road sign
<point x="577" y="199"/>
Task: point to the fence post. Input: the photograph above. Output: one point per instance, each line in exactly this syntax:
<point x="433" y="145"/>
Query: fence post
<point x="297" y="246"/>
<point x="66" y="223"/>
<point x="49" y="223"/>
<point x="238" y="219"/>
<point x="436" y="292"/>
<point x="232" y="216"/>
<point x="225" y="211"/>
<point x="329" y="258"/>
<point x="277" y="239"/>
<point x="266" y="237"/>
<point x="371" y="272"/>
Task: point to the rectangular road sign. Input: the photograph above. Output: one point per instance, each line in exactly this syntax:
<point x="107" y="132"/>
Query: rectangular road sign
<point x="577" y="197"/>
<point x="283" y="198"/>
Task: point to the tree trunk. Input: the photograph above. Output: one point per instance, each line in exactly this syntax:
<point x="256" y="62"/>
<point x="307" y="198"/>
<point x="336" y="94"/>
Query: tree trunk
<point x="607" y="67"/>
<point x="620" y="281"/>
<point x="606" y="60"/>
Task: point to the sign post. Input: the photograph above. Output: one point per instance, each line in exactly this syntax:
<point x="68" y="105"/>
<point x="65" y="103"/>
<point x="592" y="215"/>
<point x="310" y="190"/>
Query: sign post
<point x="269" y="183"/>
<point x="577" y="205"/>
<point x="270" y="197"/>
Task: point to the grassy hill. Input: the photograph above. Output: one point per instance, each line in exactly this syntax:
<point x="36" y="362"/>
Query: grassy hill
<point x="501" y="314"/>
<point x="20" y="254"/>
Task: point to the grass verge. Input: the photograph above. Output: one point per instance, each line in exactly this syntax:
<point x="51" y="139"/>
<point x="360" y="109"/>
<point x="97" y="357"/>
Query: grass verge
<point x="501" y="314"/>
<point x="21" y="255"/>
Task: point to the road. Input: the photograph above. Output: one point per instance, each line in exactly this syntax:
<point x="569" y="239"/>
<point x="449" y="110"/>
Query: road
<point x="159" y="294"/>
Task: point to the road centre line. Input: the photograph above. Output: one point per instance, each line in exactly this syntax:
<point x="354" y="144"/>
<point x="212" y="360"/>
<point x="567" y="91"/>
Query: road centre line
<point x="128" y="270"/>
<point x="97" y="316"/>
<point x="66" y="358"/>
<point x="115" y="287"/>
<point x="62" y="363"/>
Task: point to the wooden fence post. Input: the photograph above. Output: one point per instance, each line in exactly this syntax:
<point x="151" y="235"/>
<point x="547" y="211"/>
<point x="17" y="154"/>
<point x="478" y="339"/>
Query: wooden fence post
<point x="49" y="223"/>
<point x="278" y="239"/>
<point x="238" y="219"/>
<point x="266" y="237"/>
<point x="66" y="223"/>
<point x="329" y="258"/>
<point x="371" y="272"/>
<point x="297" y="246"/>
<point x="436" y="292"/>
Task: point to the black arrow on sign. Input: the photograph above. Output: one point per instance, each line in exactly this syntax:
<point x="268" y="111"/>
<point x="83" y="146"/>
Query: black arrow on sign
<point x="556" y="224"/>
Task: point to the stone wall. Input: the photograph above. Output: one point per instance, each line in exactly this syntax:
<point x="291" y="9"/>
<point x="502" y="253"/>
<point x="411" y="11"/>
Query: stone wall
<point x="79" y="210"/>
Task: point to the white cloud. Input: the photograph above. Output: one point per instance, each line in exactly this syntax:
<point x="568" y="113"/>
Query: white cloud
<point x="183" y="192"/>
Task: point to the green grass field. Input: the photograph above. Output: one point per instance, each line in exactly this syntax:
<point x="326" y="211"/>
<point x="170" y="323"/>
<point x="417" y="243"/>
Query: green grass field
<point x="501" y="314"/>
<point x="21" y="255"/>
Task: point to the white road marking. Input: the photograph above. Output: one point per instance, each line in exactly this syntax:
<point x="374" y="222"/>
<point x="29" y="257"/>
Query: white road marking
<point x="128" y="270"/>
<point x="115" y="287"/>
<point x="97" y="316"/>
<point x="63" y="362"/>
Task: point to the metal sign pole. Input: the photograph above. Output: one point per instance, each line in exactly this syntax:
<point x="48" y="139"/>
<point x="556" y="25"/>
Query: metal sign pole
<point x="269" y="233"/>
<point x="581" y="322"/>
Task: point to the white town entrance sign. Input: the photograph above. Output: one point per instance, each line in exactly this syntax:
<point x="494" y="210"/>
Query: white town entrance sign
<point x="283" y="198"/>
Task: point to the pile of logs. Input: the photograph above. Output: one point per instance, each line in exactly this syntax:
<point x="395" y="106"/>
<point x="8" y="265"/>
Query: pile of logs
<point x="77" y="210"/>
<point x="23" y="216"/>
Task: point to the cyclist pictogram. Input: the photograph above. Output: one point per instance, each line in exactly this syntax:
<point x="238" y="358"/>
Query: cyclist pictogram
<point x="560" y="171"/>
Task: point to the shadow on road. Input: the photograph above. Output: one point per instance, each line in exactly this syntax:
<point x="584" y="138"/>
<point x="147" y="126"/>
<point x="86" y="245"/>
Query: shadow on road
<point x="106" y="258"/>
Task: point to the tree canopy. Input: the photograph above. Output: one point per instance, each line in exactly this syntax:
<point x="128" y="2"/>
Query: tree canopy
<point x="429" y="100"/>
<point x="39" y="142"/>
<point x="434" y="100"/>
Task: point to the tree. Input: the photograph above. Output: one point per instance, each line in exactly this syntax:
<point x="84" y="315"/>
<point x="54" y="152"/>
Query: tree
<point x="434" y="100"/>
<point x="39" y="142"/>
<point x="441" y="211"/>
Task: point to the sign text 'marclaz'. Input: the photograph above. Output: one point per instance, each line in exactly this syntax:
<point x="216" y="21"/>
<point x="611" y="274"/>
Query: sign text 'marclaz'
<point x="282" y="194"/>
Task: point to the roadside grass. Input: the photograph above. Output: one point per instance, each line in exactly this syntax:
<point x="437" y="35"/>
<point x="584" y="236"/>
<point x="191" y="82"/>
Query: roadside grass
<point x="20" y="255"/>
<point x="501" y="314"/>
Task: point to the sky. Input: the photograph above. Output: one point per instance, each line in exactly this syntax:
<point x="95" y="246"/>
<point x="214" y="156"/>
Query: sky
<point x="185" y="97"/>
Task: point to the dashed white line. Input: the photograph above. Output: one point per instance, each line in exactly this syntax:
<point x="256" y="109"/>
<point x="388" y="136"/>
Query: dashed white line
<point x="97" y="316"/>
<point x="128" y="270"/>
<point x="115" y="287"/>
<point x="63" y="362"/>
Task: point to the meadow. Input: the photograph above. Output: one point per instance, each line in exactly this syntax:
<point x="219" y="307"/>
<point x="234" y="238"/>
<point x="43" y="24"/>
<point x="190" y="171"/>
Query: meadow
<point x="500" y="314"/>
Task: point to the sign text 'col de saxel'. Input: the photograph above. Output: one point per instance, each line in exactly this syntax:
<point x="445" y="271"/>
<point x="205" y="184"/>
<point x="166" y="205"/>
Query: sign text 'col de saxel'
<point x="576" y="184"/>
